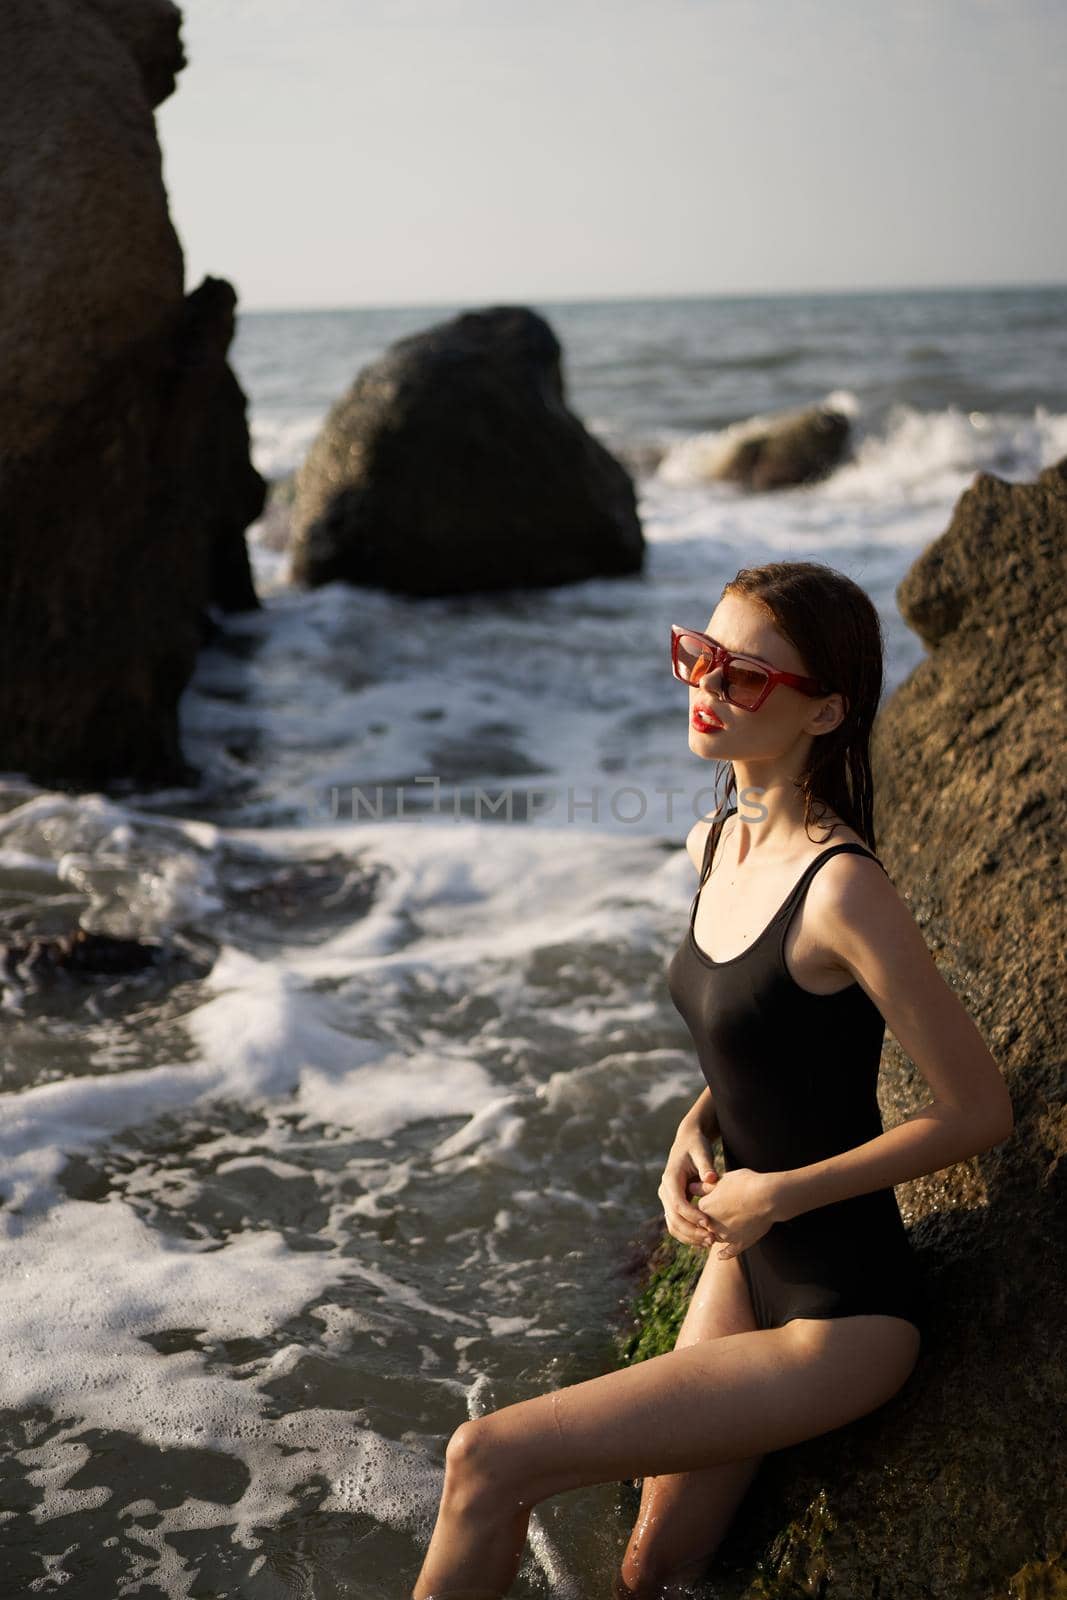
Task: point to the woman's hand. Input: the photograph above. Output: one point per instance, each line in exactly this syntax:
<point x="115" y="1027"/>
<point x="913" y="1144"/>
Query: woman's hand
<point x="689" y="1167"/>
<point x="741" y="1208"/>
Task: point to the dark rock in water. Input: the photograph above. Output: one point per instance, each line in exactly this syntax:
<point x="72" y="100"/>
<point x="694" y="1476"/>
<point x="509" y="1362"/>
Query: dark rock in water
<point x="958" y="1486"/>
<point x="60" y="980"/>
<point x="125" y="479"/>
<point x="77" y="952"/>
<point x="798" y="447"/>
<point x="453" y="465"/>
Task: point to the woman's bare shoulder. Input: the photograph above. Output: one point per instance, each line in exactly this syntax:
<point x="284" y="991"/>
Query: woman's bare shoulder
<point x="697" y="840"/>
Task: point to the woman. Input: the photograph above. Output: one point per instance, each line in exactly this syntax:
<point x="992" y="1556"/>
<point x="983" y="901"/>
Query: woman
<point x="809" y="1311"/>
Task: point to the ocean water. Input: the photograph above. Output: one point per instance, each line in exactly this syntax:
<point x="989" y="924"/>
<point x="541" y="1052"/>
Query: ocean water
<point x="365" y="1151"/>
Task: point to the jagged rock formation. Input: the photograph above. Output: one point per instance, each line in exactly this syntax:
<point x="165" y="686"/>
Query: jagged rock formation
<point x="125" y="479"/>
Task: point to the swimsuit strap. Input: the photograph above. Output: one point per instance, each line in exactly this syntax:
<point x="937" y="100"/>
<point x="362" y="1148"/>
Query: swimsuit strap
<point x="711" y="844"/>
<point x="801" y="885"/>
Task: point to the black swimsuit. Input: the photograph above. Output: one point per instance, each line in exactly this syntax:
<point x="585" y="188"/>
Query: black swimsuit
<point x="793" y="1077"/>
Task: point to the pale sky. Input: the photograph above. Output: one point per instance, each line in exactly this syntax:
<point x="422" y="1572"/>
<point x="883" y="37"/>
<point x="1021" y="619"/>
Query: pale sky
<point x="422" y="152"/>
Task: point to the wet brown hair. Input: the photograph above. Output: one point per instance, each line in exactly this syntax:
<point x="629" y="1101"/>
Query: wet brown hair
<point x="833" y="623"/>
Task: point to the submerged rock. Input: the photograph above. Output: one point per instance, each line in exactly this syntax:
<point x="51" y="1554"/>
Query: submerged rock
<point x="78" y="952"/>
<point x="453" y="465"/>
<point x="125" y="478"/>
<point x="777" y="452"/>
<point x="956" y="1486"/>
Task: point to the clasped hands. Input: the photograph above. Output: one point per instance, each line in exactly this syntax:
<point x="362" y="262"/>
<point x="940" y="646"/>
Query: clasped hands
<point x="741" y="1207"/>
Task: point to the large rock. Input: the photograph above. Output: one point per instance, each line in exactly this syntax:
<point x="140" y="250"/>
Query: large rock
<point x="453" y="465"/>
<point x="125" y="479"/>
<point x="957" y="1487"/>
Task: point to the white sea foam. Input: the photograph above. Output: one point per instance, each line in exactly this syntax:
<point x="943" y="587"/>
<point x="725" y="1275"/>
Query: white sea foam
<point x="933" y="457"/>
<point x="280" y="442"/>
<point x="919" y="456"/>
<point x="75" y="1336"/>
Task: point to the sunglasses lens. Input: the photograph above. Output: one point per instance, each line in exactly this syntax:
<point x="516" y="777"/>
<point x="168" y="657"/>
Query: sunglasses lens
<point x="692" y="658"/>
<point x="744" y="682"/>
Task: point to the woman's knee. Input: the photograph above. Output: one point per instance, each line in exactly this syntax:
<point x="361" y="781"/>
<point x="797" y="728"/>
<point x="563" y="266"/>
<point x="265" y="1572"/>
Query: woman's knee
<point x="663" y="1551"/>
<point x="480" y="1469"/>
<point x="681" y="1524"/>
<point x="651" y="1577"/>
<point x="484" y="1448"/>
<point x="470" y="1452"/>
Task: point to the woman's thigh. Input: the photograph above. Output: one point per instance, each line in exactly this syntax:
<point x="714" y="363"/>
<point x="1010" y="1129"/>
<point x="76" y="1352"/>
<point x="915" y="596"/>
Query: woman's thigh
<point x="684" y="1515"/>
<point x="719" y="1400"/>
<point x="720" y="1303"/>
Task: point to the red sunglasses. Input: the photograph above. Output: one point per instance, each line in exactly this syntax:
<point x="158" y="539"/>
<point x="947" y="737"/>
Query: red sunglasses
<point x="746" y="681"/>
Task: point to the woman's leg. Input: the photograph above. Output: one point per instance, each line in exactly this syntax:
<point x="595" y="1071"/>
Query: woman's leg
<point x="721" y="1400"/>
<point x="684" y="1515"/>
<point x="678" y="1510"/>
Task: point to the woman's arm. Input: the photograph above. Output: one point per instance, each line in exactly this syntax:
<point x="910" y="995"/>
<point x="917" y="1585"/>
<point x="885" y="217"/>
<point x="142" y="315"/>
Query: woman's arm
<point x="862" y="920"/>
<point x="702" y="1115"/>
<point x="933" y="1138"/>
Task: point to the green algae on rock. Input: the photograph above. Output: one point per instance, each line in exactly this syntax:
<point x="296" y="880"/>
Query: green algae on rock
<point x="673" y="1270"/>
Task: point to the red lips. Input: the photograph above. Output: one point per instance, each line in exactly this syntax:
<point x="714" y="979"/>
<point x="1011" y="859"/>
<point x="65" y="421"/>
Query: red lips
<point x="707" y="715"/>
